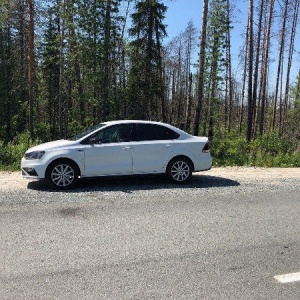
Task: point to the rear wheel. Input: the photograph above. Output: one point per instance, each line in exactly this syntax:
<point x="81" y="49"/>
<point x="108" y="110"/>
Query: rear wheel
<point x="62" y="174"/>
<point x="179" y="170"/>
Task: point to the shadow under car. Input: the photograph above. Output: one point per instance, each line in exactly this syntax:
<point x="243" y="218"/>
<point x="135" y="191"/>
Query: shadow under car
<point x="137" y="183"/>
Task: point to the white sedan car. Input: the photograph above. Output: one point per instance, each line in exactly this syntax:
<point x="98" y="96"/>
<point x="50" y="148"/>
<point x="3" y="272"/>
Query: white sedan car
<point x="119" y="148"/>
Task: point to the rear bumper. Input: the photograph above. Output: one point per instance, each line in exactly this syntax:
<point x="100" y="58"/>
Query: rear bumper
<point x="204" y="164"/>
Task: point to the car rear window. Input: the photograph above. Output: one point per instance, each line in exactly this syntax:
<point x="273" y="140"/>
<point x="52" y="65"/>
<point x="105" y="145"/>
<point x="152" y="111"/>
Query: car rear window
<point x="152" y="132"/>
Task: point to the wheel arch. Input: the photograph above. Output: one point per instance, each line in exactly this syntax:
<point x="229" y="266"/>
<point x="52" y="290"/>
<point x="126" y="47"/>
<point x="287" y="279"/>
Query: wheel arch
<point x="62" y="159"/>
<point x="181" y="156"/>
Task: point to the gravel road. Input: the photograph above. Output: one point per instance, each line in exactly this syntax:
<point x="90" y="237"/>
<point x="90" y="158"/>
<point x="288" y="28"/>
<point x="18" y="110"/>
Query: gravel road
<point x="225" y="235"/>
<point x="16" y="190"/>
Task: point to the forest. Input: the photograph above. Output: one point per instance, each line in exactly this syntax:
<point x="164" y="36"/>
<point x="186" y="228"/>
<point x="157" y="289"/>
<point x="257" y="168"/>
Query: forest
<point x="66" y="65"/>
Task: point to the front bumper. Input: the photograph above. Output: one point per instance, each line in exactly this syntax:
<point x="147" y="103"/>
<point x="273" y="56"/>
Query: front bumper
<point x="29" y="172"/>
<point x="34" y="169"/>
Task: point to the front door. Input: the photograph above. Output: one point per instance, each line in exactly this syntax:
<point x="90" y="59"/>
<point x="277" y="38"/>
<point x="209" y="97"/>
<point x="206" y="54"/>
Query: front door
<point x="109" y="151"/>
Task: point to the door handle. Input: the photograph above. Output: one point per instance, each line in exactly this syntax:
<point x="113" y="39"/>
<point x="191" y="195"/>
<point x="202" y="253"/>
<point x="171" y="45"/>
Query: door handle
<point x="126" y="148"/>
<point x="167" y="146"/>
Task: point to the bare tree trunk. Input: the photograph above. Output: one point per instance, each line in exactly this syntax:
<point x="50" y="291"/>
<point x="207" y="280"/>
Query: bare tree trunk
<point x="31" y="64"/>
<point x="264" y="70"/>
<point x="213" y="87"/>
<point x="280" y="58"/>
<point x="228" y="105"/>
<point x="173" y="108"/>
<point x="290" y="58"/>
<point x="75" y="67"/>
<point x="202" y="67"/>
<point x="160" y="73"/>
<point x="189" y="76"/>
<point x="189" y="103"/>
<point x="255" y="106"/>
<point x="123" y="70"/>
<point x="22" y="92"/>
<point x="106" y="84"/>
<point x="179" y="90"/>
<point x="250" y="70"/>
<point x="280" y="100"/>
<point x="297" y="98"/>
<point x="61" y="73"/>
<point x="244" y="82"/>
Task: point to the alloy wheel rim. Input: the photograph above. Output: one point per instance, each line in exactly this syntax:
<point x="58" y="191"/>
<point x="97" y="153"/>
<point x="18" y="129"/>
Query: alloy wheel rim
<point x="180" y="171"/>
<point x="62" y="175"/>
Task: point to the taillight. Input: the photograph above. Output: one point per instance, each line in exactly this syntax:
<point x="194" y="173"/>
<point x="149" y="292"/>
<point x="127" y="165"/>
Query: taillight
<point x="206" y="148"/>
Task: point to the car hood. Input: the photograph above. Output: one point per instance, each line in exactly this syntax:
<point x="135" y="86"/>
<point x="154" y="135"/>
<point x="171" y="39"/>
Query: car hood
<point x="52" y="145"/>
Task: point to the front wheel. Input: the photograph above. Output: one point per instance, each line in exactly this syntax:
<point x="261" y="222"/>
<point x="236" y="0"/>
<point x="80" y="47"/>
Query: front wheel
<point x="179" y="170"/>
<point x="62" y="174"/>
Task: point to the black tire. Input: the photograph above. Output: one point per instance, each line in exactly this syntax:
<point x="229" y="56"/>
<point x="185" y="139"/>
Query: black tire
<point x="179" y="170"/>
<point x="62" y="174"/>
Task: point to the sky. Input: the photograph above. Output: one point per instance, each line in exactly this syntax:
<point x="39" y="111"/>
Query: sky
<point x="180" y="12"/>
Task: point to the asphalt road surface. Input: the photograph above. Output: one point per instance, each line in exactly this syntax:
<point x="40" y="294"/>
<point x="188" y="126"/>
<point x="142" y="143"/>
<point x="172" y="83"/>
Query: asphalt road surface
<point x="143" y="238"/>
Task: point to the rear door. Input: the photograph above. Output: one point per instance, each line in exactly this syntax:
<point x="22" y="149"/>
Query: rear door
<point x="153" y="148"/>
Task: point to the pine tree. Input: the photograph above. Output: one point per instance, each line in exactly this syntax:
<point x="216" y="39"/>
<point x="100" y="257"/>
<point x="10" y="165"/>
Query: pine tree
<point x="5" y="73"/>
<point x="146" y="89"/>
<point x="50" y="73"/>
<point x="218" y="24"/>
<point x="99" y="35"/>
<point x="14" y="67"/>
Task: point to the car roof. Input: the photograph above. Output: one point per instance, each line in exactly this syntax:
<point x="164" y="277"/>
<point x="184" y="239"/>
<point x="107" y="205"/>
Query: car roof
<point x="132" y="121"/>
<point x="181" y="132"/>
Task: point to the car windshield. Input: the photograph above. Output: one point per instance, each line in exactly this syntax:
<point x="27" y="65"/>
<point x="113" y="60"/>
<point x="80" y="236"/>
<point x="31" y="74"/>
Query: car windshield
<point x="86" y="132"/>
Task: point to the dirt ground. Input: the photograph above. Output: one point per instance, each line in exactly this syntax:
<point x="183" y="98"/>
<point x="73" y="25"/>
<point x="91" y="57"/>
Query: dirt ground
<point x="13" y="180"/>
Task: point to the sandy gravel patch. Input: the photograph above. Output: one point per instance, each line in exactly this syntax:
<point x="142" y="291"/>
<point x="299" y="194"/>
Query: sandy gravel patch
<point x="255" y="173"/>
<point x="14" y="180"/>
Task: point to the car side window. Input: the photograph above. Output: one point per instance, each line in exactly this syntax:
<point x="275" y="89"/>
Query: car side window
<point x="152" y="132"/>
<point x="113" y="134"/>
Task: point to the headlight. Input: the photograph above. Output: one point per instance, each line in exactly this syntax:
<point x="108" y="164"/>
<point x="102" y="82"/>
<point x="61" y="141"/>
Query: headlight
<point x="34" y="155"/>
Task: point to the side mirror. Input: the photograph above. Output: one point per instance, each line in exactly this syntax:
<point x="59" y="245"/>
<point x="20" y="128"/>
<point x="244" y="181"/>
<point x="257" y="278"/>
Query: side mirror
<point x="91" y="141"/>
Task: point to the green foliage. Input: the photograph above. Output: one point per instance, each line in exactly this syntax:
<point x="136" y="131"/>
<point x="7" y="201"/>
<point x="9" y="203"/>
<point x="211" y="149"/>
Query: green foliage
<point x="268" y="151"/>
<point x="230" y="151"/>
<point x="218" y="25"/>
<point x="12" y="152"/>
<point x="145" y="83"/>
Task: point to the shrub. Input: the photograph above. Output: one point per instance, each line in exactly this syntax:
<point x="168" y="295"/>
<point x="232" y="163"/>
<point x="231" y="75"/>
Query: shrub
<point x="269" y="150"/>
<point x="12" y="152"/>
<point x="231" y="151"/>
